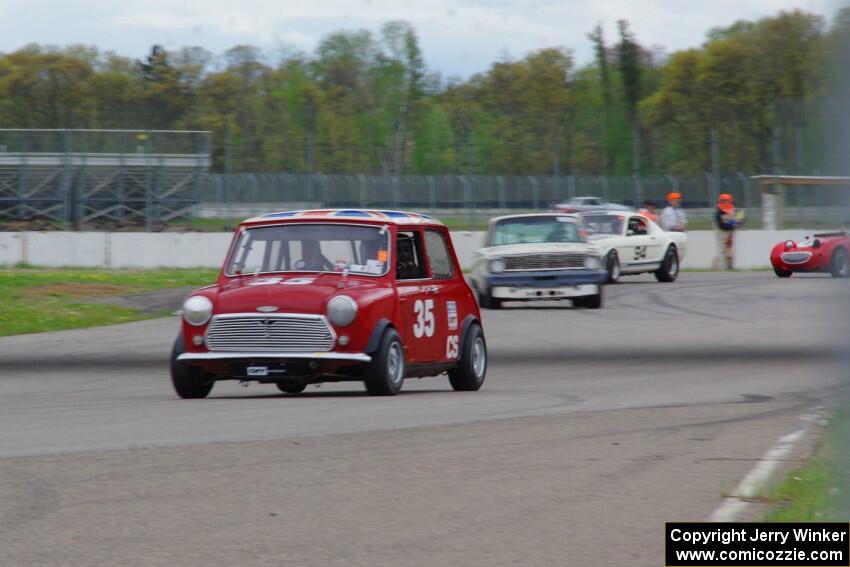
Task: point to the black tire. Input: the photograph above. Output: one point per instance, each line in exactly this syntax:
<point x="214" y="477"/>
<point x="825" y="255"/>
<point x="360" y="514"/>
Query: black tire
<point x="589" y="301"/>
<point x="839" y="264"/>
<point x="385" y="374"/>
<point x="669" y="270"/>
<point x="188" y="381"/>
<point x="612" y="264"/>
<point x="782" y="273"/>
<point x="486" y="301"/>
<point x="471" y="369"/>
<point x="291" y="387"/>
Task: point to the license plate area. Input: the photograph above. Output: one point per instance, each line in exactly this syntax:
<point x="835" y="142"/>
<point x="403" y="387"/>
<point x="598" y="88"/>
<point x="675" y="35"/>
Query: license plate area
<point x="262" y="371"/>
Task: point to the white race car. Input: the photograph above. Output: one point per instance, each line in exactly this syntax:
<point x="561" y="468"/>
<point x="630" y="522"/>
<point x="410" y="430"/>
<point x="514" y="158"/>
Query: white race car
<point x="537" y="256"/>
<point x="630" y="243"/>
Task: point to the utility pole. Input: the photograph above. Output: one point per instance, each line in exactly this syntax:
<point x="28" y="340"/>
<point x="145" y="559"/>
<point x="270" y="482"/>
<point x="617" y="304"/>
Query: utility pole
<point x="636" y="163"/>
<point x="777" y="196"/>
<point x="228" y="169"/>
<point x="798" y="137"/>
<point x="556" y="163"/>
<point x="715" y="165"/>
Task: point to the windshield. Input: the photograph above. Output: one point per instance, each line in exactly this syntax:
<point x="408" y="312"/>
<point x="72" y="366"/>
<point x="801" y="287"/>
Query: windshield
<point x="310" y="248"/>
<point x="525" y="230"/>
<point x="604" y="224"/>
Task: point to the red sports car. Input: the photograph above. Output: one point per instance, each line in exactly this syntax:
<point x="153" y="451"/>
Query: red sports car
<point x="826" y="252"/>
<point x="317" y="296"/>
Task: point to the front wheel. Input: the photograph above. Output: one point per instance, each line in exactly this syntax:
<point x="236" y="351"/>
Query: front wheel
<point x="589" y="301"/>
<point x="839" y="265"/>
<point x="291" y="387"/>
<point x="612" y="264"/>
<point x="385" y="374"/>
<point x="471" y="368"/>
<point x="782" y="273"/>
<point x="487" y="301"/>
<point x="188" y="381"/>
<point x="669" y="270"/>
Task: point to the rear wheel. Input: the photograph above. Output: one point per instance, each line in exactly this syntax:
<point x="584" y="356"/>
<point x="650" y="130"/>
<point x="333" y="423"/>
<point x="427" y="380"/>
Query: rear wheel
<point x="669" y="270"/>
<point x="291" y="387"/>
<point x="189" y="381"/>
<point x="612" y="264"/>
<point x="839" y="265"/>
<point x="471" y="368"/>
<point x="782" y="273"/>
<point x="385" y="374"/>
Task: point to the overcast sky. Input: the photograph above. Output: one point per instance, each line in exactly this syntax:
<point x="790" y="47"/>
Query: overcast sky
<point x="458" y="37"/>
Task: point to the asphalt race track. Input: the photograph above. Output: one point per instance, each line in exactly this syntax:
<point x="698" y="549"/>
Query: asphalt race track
<point x="594" y="427"/>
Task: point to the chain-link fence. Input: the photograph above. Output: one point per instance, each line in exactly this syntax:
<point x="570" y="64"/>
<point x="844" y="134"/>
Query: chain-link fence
<point x="473" y="198"/>
<point x="148" y="179"/>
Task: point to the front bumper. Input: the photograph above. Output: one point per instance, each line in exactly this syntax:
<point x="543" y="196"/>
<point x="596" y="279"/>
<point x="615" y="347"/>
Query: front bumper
<point x="330" y="356"/>
<point x="527" y="293"/>
<point x="546" y="278"/>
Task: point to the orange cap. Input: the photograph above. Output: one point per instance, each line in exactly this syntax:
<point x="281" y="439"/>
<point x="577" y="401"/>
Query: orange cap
<point x="673" y="195"/>
<point x="725" y="198"/>
<point x="725" y="202"/>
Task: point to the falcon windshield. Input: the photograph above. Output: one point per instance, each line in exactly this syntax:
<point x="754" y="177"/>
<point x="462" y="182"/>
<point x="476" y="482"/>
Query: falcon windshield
<point x="531" y="230"/>
<point x="310" y="247"/>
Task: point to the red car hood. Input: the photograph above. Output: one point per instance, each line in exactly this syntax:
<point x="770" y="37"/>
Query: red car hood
<point x="289" y="294"/>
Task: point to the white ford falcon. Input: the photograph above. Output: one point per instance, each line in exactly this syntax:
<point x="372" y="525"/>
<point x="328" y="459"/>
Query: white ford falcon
<point x="537" y="256"/>
<point x="630" y="243"/>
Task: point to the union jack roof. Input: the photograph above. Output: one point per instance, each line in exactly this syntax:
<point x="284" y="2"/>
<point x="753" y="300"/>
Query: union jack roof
<point x="397" y="217"/>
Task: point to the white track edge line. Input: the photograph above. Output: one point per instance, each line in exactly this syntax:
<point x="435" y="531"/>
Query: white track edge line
<point x="754" y="481"/>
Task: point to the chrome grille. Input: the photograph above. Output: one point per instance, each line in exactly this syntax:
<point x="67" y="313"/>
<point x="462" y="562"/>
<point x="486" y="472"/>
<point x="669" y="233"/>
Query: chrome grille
<point x="796" y="257"/>
<point x="551" y="261"/>
<point x="270" y="333"/>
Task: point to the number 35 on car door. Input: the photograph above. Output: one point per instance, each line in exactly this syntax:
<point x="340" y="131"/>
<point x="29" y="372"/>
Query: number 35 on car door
<point x="423" y="310"/>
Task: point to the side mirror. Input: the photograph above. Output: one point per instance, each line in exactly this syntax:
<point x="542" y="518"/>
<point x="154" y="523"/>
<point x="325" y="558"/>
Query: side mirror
<point x="630" y="232"/>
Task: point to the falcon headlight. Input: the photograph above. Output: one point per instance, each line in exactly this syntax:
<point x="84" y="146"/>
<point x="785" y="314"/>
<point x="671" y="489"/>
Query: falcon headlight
<point x="342" y="310"/>
<point x="591" y="263"/>
<point x="197" y="310"/>
<point x="497" y="265"/>
<point x="789" y="244"/>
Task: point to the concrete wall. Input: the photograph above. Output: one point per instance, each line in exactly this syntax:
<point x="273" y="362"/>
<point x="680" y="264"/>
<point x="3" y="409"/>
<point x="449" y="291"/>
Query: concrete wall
<point x="207" y="249"/>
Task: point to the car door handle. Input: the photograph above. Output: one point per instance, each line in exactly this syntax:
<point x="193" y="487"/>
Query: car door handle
<point x="432" y="289"/>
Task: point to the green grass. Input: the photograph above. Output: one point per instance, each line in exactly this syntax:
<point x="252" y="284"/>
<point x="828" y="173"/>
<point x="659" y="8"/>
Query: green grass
<point x="34" y="300"/>
<point x="808" y="493"/>
<point x="207" y="224"/>
<point x="804" y="496"/>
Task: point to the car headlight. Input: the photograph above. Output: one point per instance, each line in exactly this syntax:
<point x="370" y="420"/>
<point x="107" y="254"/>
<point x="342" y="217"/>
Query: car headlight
<point x="342" y="310"/>
<point x="591" y="263"/>
<point x="497" y="265"/>
<point x="789" y="244"/>
<point x="197" y="310"/>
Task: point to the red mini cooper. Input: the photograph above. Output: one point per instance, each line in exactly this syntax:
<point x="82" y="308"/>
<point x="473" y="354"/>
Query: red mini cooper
<point x="331" y="295"/>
